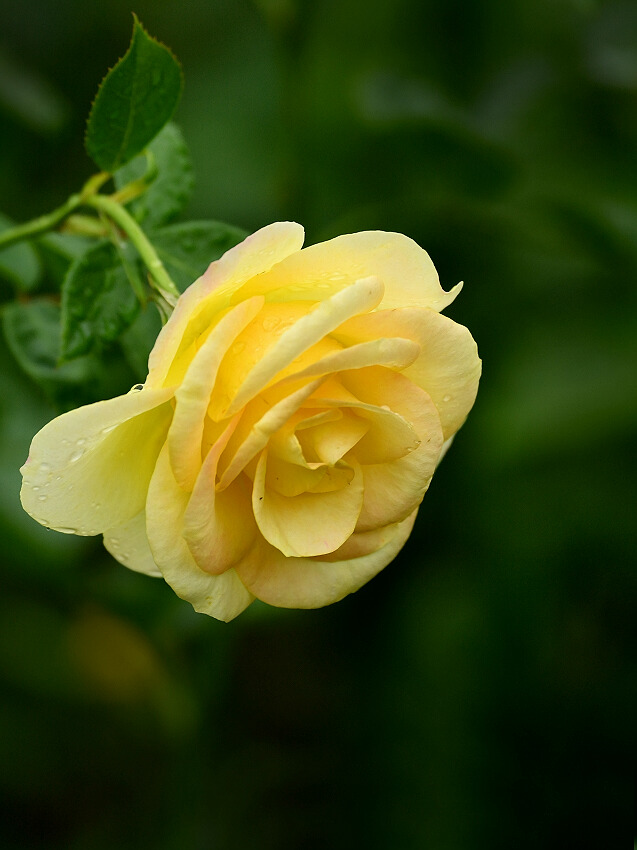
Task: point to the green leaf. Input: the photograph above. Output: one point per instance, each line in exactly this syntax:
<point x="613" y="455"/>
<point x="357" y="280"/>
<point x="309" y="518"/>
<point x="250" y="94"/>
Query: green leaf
<point x="33" y="334"/>
<point x="134" y="101"/>
<point x="19" y="264"/>
<point x="188" y="249"/>
<point x="138" y="340"/>
<point x="98" y="302"/>
<point x="33" y="331"/>
<point x="59" y="251"/>
<point x="171" y="190"/>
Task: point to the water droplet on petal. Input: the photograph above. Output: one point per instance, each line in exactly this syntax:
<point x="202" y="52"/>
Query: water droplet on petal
<point x="237" y="348"/>
<point x="35" y="489"/>
<point x="109" y="429"/>
<point x="76" y="456"/>
<point x="270" y="323"/>
<point x="446" y="398"/>
<point x="67" y="530"/>
<point x="44" y="467"/>
<point x="41" y="498"/>
<point x="136" y="388"/>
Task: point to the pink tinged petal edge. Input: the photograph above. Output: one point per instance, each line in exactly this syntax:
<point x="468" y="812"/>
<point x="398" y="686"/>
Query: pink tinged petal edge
<point x="88" y="470"/>
<point x="313" y="583"/>
<point x="405" y="269"/>
<point x="128" y="544"/>
<point x="193" y="395"/>
<point x="223" y="597"/>
<point x="255" y="255"/>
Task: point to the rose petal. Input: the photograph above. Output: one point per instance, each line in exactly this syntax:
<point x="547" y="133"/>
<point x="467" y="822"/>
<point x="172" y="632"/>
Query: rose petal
<point x="393" y="353"/>
<point x="393" y="489"/>
<point x="389" y="435"/>
<point x="406" y="270"/>
<point x="218" y="526"/>
<point x="360" y="296"/>
<point x="310" y="523"/>
<point x="128" y="544"/>
<point x="256" y="427"/>
<point x="255" y="255"/>
<point x="447" y="368"/>
<point x="222" y="597"/>
<point x="331" y="440"/>
<point x="193" y="396"/>
<point x="313" y="583"/>
<point x="88" y="470"/>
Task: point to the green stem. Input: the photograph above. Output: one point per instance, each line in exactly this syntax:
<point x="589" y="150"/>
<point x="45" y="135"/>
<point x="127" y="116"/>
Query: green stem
<point x="39" y="225"/>
<point x="123" y="219"/>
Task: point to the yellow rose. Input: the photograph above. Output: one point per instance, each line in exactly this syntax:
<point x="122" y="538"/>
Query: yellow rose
<point x="296" y="406"/>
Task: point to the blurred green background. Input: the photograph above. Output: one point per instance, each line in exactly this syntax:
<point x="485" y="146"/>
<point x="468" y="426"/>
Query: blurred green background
<point x="480" y="692"/>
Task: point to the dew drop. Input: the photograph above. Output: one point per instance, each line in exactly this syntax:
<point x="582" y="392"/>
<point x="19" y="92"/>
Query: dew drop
<point x="109" y="429"/>
<point x="42" y="498"/>
<point x="35" y="489"/>
<point x="67" y="530"/>
<point x="76" y="456"/>
<point x="446" y="398"/>
<point x="136" y="388"/>
<point x="44" y="467"/>
<point x="81" y="442"/>
<point x="238" y="347"/>
<point x="270" y="323"/>
<point x="114" y="543"/>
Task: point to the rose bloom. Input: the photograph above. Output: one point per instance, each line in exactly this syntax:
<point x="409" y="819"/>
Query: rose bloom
<point x="296" y="406"/>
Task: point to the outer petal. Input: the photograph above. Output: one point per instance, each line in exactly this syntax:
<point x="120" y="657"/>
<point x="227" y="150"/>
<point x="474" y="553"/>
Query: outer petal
<point x="88" y="470"/>
<point x="447" y="368"/>
<point x="313" y="583"/>
<point x="222" y="597"/>
<point x="403" y="266"/>
<point x="193" y="396"/>
<point x="128" y="543"/>
<point x="310" y="523"/>
<point x="255" y="255"/>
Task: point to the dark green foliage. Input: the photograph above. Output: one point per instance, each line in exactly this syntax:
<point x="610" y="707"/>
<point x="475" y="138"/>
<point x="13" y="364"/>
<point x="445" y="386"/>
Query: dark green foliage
<point x="170" y="191"/>
<point x="19" y="264"/>
<point x="135" y="100"/>
<point x="33" y="332"/>
<point x="98" y="301"/>
<point x="481" y="691"/>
